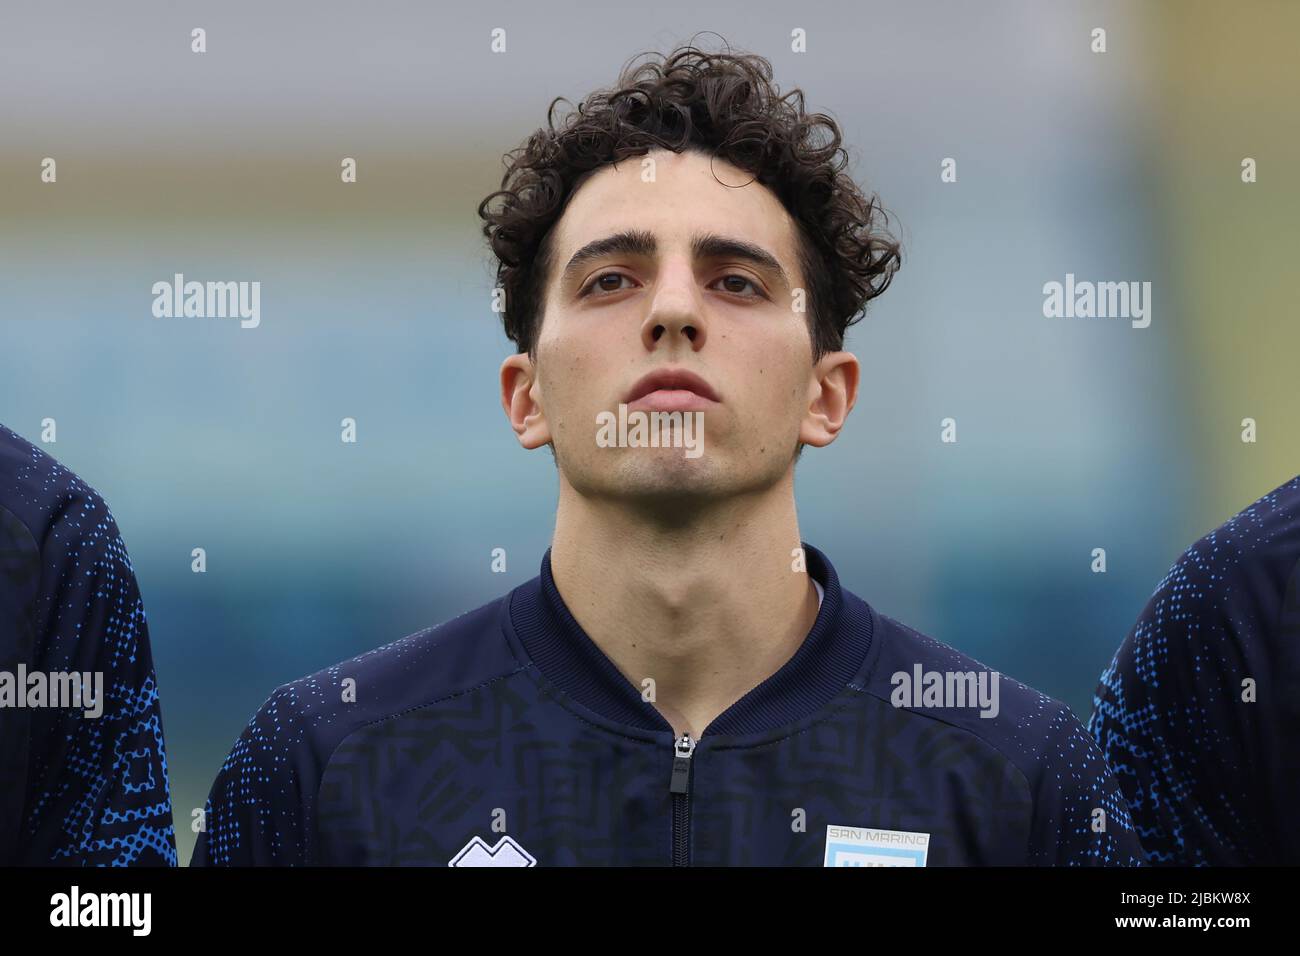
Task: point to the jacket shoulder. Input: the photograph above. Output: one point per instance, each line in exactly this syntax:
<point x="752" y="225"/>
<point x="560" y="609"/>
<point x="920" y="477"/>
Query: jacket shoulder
<point x="1032" y="730"/>
<point x="414" y="671"/>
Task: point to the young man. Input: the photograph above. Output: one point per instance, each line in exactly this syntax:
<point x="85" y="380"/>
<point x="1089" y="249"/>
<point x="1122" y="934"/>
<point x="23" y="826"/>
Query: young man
<point x="673" y="688"/>
<point x="1199" y="712"/>
<point x="83" y="770"/>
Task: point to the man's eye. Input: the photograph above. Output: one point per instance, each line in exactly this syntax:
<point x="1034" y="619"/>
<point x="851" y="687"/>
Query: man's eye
<point x="602" y="283"/>
<point x="736" y="283"/>
<point x="608" y="282"/>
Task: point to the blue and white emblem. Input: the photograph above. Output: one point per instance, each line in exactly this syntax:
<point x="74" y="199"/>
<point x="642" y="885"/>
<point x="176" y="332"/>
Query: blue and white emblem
<point x="867" y="846"/>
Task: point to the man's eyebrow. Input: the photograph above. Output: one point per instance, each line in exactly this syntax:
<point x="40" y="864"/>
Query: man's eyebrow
<point x="639" y="242"/>
<point x="712" y="246"/>
<point x="629" y="242"/>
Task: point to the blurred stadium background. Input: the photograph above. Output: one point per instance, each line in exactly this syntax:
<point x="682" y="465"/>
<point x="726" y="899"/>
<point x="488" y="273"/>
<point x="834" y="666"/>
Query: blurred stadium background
<point x="1073" y="434"/>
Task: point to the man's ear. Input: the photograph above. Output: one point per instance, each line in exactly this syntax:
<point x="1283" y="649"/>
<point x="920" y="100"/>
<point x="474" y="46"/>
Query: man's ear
<point x="832" y="393"/>
<point x="519" y="398"/>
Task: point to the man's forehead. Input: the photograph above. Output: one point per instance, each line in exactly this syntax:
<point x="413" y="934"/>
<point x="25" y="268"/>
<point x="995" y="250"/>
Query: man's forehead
<point x="683" y="199"/>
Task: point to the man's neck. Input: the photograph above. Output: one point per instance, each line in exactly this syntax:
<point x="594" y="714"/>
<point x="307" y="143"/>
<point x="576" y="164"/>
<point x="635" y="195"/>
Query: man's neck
<point x="707" y="609"/>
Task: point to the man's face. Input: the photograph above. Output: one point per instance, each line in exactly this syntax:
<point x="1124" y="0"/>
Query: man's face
<point x="673" y="301"/>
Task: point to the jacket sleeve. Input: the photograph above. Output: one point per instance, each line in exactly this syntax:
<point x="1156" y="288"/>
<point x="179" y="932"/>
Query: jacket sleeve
<point x="260" y="809"/>
<point x="1169" y="716"/>
<point x="1080" y="816"/>
<point x="99" y="793"/>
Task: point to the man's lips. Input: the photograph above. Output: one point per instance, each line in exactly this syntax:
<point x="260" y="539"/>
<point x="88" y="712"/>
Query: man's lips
<point x="670" y="390"/>
<point x="670" y="400"/>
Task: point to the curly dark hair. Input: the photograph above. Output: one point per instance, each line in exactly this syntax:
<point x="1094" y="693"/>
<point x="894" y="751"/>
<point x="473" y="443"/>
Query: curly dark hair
<point x="721" y="104"/>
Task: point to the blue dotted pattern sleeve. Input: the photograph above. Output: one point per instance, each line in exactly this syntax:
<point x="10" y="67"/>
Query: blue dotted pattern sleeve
<point x="1080" y="816"/>
<point x="95" y="789"/>
<point x="1198" y="714"/>
<point x="257" y="812"/>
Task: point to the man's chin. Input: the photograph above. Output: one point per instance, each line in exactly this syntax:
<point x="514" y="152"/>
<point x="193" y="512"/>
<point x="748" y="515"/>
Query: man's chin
<point x="666" y="472"/>
<point x="663" y="477"/>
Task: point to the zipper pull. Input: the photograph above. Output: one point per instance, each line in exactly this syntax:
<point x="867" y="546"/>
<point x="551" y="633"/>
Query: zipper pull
<point x="682" y="750"/>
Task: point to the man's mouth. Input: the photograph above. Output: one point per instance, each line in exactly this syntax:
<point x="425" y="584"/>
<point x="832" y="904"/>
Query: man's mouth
<point x="670" y="390"/>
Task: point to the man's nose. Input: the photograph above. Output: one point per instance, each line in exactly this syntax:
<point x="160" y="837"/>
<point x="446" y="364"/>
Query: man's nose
<point x="676" y="310"/>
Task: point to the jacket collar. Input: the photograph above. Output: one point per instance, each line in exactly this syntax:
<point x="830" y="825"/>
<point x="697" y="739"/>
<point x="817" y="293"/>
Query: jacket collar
<point x="830" y="656"/>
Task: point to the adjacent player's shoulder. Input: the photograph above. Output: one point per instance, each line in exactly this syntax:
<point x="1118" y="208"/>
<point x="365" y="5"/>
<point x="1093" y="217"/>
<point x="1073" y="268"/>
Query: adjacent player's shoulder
<point x="1224" y="592"/>
<point x="47" y="497"/>
<point x="1256" y="548"/>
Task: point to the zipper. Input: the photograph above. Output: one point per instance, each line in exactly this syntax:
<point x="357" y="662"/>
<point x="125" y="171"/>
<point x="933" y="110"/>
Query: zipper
<point x="680" y="788"/>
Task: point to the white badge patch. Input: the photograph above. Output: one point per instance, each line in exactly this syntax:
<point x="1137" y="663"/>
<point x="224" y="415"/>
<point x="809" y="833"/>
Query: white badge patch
<point x="506" y="852"/>
<point x="866" y="846"/>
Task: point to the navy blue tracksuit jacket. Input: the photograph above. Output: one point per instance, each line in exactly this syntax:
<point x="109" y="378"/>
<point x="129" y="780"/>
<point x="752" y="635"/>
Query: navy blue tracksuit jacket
<point x="75" y="790"/>
<point x="506" y="737"/>
<point x="1199" y="712"/>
